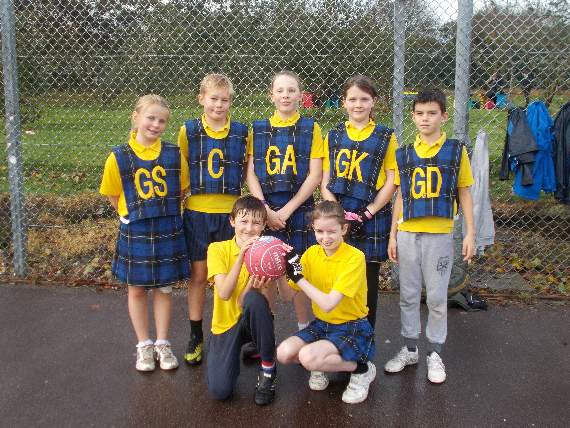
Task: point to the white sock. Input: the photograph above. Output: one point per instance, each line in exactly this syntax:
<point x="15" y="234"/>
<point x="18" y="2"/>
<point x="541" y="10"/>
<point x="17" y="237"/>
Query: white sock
<point x="161" y="342"/>
<point x="302" y="325"/>
<point x="145" y="343"/>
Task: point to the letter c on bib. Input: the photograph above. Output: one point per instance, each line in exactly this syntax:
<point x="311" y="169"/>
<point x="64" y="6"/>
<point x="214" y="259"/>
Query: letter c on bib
<point x="220" y="171"/>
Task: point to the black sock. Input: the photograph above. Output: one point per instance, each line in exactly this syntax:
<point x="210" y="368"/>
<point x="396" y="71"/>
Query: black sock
<point x="361" y="368"/>
<point x="196" y="329"/>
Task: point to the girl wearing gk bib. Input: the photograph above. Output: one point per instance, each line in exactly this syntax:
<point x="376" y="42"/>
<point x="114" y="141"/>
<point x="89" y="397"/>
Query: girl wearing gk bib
<point x="358" y="172"/>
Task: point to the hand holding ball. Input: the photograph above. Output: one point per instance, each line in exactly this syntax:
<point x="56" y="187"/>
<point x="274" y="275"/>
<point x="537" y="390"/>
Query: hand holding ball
<point x="266" y="258"/>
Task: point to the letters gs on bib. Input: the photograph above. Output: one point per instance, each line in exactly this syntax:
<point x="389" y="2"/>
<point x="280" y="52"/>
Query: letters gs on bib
<point x="151" y="183"/>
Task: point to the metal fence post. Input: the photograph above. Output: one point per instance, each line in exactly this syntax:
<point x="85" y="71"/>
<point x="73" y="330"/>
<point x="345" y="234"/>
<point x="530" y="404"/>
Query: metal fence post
<point x="13" y="135"/>
<point x="462" y="63"/>
<point x="399" y="64"/>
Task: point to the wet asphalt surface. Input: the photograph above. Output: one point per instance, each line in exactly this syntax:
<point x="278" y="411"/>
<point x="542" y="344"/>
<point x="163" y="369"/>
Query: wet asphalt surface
<point x="67" y="359"/>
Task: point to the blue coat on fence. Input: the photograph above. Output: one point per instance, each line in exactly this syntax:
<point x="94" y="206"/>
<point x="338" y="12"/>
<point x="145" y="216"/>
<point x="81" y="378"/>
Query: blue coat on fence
<point x="544" y="177"/>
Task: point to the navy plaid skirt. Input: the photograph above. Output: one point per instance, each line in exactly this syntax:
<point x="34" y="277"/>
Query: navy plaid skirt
<point x="353" y="339"/>
<point x="201" y="229"/>
<point x="377" y="230"/>
<point x="151" y="252"/>
<point x="298" y="230"/>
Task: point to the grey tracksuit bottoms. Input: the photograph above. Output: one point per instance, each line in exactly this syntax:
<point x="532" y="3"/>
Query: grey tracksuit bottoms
<point x="427" y="258"/>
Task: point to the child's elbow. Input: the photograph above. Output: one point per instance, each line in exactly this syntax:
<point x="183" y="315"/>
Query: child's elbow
<point x="224" y="296"/>
<point x="328" y="307"/>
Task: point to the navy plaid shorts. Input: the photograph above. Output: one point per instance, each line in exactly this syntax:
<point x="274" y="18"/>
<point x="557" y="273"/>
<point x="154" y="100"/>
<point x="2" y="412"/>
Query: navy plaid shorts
<point x="202" y="229"/>
<point x="151" y="252"/>
<point x="353" y="339"/>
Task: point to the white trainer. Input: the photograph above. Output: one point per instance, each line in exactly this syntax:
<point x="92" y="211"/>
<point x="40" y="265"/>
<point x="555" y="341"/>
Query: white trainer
<point x="318" y="381"/>
<point x="357" y="389"/>
<point x="436" y="369"/>
<point x="402" y="359"/>
<point x="145" y="358"/>
<point x="165" y="357"/>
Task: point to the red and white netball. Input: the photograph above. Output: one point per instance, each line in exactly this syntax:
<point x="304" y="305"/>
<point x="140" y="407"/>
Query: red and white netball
<point x="266" y="257"/>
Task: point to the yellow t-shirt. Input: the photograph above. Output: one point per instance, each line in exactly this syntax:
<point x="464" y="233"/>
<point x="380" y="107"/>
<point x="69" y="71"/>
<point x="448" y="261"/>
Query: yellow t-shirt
<point x="356" y="134"/>
<point x="221" y="257"/>
<point x="345" y="272"/>
<point x="111" y="184"/>
<point x="432" y="224"/>
<point x="212" y="202"/>
<point x="317" y="150"/>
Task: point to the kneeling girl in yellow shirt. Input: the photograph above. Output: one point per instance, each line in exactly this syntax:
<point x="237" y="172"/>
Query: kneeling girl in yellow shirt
<point x="333" y="275"/>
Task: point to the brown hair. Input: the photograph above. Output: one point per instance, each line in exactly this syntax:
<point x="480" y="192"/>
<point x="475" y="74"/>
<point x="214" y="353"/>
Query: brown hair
<point x="432" y="95"/>
<point x="216" y="80"/>
<point x="363" y="83"/>
<point x="329" y="209"/>
<point x="288" y="73"/>
<point x="146" y="101"/>
<point x="249" y="204"/>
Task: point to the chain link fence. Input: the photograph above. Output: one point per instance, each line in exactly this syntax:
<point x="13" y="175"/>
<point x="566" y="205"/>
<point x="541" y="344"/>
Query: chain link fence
<point x="83" y="63"/>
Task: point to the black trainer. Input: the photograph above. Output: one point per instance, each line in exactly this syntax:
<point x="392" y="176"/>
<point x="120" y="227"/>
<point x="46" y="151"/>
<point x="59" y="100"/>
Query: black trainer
<point x="193" y="355"/>
<point x="250" y="352"/>
<point x="265" y="388"/>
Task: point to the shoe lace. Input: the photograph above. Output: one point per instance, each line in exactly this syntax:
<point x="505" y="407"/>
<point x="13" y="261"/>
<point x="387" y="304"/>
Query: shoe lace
<point x="403" y="354"/>
<point x="164" y="351"/>
<point x="436" y="363"/>
<point x="146" y="352"/>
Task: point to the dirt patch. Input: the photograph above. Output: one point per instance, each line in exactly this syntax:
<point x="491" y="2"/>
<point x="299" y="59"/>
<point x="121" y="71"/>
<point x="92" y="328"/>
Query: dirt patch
<point x="72" y="239"/>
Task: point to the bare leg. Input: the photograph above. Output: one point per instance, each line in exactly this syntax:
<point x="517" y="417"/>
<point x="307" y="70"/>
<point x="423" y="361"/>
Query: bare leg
<point x="162" y="313"/>
<point x="324" y="356"/>
<point x="197" y="290"/>
<point x="138" y="311"/>
<point x="302" y="308"/>
<point x="288" y="350"/>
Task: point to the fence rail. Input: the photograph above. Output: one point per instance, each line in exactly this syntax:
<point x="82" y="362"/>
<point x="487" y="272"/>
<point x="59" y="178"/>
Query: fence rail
<point x="72" y="69"/>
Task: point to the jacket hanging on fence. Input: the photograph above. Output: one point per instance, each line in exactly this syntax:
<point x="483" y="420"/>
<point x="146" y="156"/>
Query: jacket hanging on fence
<point x="482" y="212"/>
<point x="543" y="175"/>
<point x="520" y="148"/>
<point x="539" y="123"/>
<point x="562" y="154"/>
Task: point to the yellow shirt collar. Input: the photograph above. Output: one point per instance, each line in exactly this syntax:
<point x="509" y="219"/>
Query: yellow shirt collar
<point x="438" y="143"/>
<point x="350" y="126"/>
<point x="276" y="120"/>
<point x="207" y="127"/>
<point x="339" y="254"/>
<point x="138" y="148"/>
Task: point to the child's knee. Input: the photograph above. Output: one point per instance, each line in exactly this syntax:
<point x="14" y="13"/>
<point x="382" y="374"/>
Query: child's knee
<point x="309" y="359"/>
<point x="253" y="301"/>
<point x="437" y="302"/>
<point x="137" y="292"/>
<point x="286" y="353"/>
<point x="199" y="274"/>
<point x="220" y="391"/>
